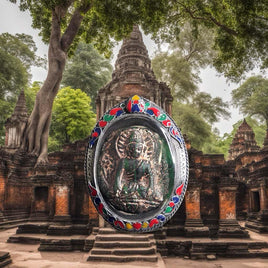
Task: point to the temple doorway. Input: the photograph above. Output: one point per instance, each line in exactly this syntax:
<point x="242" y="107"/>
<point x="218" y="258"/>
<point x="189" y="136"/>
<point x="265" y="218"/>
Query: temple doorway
<point x="256" y="201"/>
<point x="41" y="199"/>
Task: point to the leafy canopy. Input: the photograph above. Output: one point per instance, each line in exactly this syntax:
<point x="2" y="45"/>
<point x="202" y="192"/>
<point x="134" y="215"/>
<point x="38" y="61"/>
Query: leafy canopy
<point x="72" y="116"/>
<point x="240" y="28"/>
<point x="87" y="70"/>
<point x="252" y="97"/>
<point x="102" y="20"/>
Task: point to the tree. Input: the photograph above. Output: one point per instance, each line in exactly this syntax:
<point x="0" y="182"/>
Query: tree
<point x="87" y="70"/>
<point x="62" y="24"/>
<point x="17" y="55"/>
<point x="179" y="66"/>
<point x="240" y="28"/>
<point x="191" y="124"/>
<point x="211" y="109"/>
<point x="72" y="116"/>
<point x="30" y="94"/>
<point x="252" y="97"/>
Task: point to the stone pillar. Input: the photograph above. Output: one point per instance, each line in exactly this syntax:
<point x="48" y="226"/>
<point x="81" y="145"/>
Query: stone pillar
<point x="228" y="225"/>
<point x="258" y="221"/>
<point x="194" y="225"/>
<point x="62" y="213"/>
<point x="263" y="196"/>
<point x="2" y="190"/>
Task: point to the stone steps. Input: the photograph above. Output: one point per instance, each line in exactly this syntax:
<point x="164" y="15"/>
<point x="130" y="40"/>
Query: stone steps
<point x="123" y="244"/>
<point x="123" y="237"/>
<point x="132" y="258"/>
<point x="229" y="250"/>
<point x="122" y="252"/>
<point x="110" y="245"/>
<point x="5" y="259"/>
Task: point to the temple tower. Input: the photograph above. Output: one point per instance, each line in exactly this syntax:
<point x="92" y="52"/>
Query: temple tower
<point x="133" y="75"/>
<point x="244" y="141"/>
<point x="16" y="123"/>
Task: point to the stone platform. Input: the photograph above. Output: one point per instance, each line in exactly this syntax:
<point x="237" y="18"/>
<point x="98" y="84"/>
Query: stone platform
<point x="109" y="245"/>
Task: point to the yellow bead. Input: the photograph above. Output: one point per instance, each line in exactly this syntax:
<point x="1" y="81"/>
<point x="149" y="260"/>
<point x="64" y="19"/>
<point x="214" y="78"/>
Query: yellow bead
<point x="136" y="97"/>
<point x="129" y="226"/>
<point x="145" y="225"/>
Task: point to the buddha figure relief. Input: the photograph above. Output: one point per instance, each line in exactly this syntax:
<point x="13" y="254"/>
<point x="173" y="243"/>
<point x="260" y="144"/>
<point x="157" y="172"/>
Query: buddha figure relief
<point x="134" y="169"/>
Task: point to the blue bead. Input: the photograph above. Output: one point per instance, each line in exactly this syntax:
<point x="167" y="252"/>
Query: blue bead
<point x="97" y="201"/>
<point x="119" y="112"/>
<point x="150" y="112"/>
<point x="161" y="217"/>
<point x="135" y="108"/>
<point x="175" y="199"/>
<point x="98" y="130"/>
<point x="111" y="219"/>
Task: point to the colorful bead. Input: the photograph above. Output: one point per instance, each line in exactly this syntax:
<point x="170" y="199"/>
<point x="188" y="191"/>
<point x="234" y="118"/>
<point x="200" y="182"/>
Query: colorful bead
<point x="93" y="191"/>
<point x="168" y="209"/>
<point x="136" y="97"/>
<point x="153" y="111"/>
<point x="161" y="217"/>
<point x="108" y="117"/>
<point x="119" y="223"/>
<point x="153" y="222"/>
<point x="102" y="123"/>
<point x="179" y="190"/>
<point x="137" y="225"/>
<point x="145" y="224"/>
<point x="175" y="199"/>
<point x="129" y="226"/>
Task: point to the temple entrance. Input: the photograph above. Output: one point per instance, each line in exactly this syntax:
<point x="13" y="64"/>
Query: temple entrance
<point x="256" y="201"/>
<point x="41" y="199"/>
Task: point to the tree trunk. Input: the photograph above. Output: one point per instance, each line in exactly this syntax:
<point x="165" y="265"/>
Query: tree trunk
<point x="35" y="137"/>
<point x="35" y="140"/>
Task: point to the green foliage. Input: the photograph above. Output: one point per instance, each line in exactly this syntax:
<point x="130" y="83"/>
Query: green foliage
<point x="179" y="66"/>
<point x="240" y="29"/>
<point x="194" y="111"/>
<point x="87" y="70"/>
<point x="211" y="109"/>
<point x="191" y="123"/>
<point x="102" y="20"/>
<point x="30" y="94"/>
<point x="252" y="97"/>
<point x="72" y="117"/>
<point x="17" y="55"/>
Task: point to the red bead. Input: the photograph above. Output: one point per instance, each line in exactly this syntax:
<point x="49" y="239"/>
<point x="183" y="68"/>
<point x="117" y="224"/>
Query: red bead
<point x="153" y="222"/>
<point x="102" y="123"/>
<point x="179" y="190"/>
<point x="115" y="110"/>
<point x="136" y="225"/>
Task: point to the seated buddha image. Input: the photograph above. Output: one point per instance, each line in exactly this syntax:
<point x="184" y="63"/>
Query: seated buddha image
<point x="139" y="171"/>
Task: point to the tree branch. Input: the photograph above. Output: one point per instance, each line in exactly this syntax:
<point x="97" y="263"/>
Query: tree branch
<point x="209" y="18"/>
<point x="73" y="27"/>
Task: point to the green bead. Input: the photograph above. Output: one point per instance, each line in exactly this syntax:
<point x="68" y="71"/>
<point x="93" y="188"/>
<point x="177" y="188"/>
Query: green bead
<point x="161" y="117"/>
<point x="168" y="209"/>
<point x="108" y="117"/>
<point x="147" y="104"/>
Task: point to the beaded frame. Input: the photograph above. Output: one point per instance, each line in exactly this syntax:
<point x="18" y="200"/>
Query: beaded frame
<point x="139" y="106"/>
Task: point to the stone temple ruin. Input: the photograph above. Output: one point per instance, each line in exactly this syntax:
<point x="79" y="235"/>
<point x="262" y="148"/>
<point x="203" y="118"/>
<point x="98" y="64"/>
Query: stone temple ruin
<point x="52" y="199"/>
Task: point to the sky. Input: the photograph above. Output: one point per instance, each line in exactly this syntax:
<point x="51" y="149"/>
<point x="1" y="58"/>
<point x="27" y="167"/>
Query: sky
<point x="13" y="21"/>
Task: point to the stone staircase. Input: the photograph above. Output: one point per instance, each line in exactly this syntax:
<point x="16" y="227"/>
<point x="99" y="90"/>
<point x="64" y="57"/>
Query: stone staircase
<point x="110" y="245"/>
<point x="4" y="259"/>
